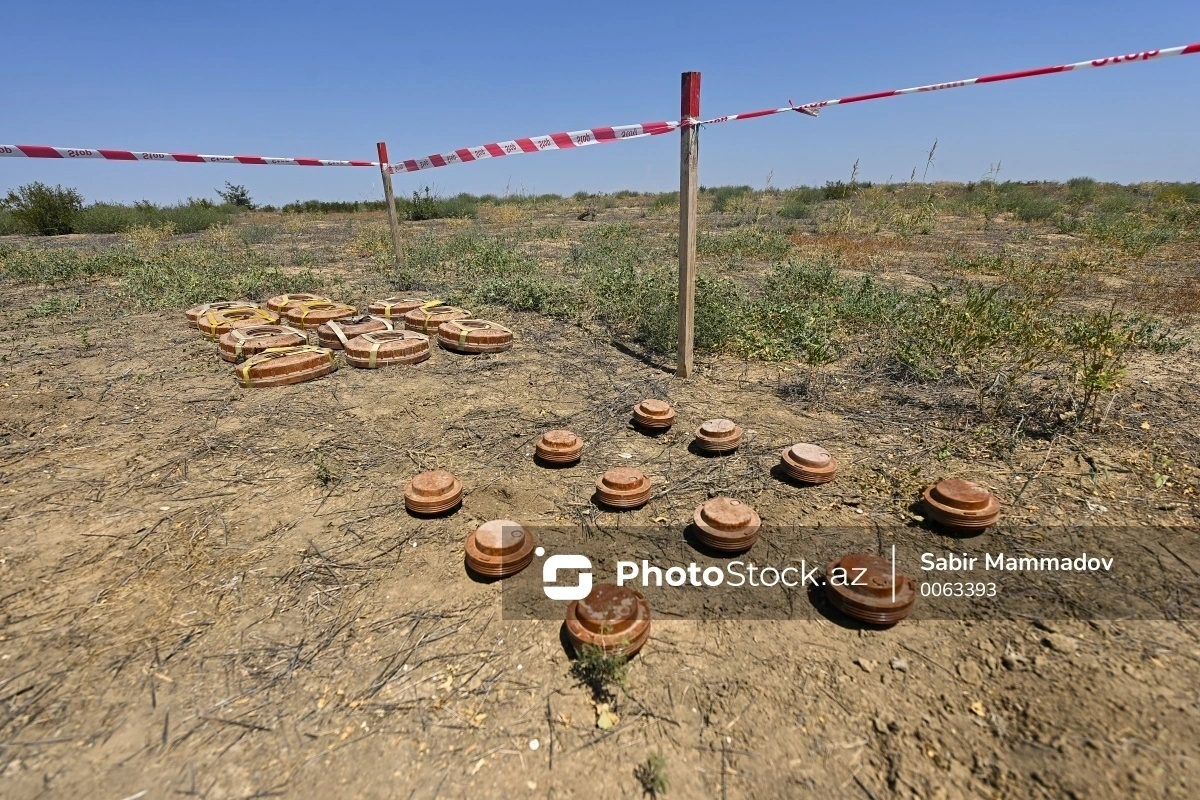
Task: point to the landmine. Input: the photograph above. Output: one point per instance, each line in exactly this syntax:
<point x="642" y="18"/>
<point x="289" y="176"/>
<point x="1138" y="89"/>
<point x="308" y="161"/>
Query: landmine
<point x="433" y="492"/>
<point x="280" y="366"/>
<point x="427" y="319"/>
<point x="193" y="314"/>
<point x="396" y="307"/>
<point x="499" y="548"/>
<point x="474" y="336"/>
<point x="718" y="436"/>
<point x="961" y="506"/>
<point x="613" y="618"/>
<point x="312" y="314"/>
<point x="808" y="463"/>
<point x="558" y="447"/>
<point x="384" y="348"/>
<point x="280" y="303"/>
<point x="238" y="344"/>
<point x="215" y="323"/>
<point x="623" y="487"/>
<point x="653" y="415"/>
<point x="727" y="525"/>
<point x="337" y="332"/>
<point x="861" y="585"/>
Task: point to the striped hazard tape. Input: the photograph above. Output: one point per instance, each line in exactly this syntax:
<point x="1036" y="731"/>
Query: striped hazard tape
<point x="572" y="139"/>
<point x="559" y="141"/>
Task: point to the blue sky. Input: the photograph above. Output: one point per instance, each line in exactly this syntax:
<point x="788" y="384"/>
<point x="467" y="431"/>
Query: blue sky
<point x="329" y="80"/>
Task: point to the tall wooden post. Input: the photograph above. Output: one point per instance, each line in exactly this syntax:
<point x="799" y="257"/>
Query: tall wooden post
<point x="689" y="147"/>
<point x="393" y="220"/>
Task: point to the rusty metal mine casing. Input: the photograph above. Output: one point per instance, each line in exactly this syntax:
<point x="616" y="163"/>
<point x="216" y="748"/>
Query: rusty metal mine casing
<point x="719" y="436"/>
<point x="808" y="463"/>
<point x="312" y="314"/>
<point x="474" y="336"/>
<point x="866" y="593"/>
<point x="336" y="333"/>
<point x="623" y="488"/>
<point x="961" y="506"/>
<point x="395" y="307"/>
<point x="280" y="303"/>
<point x="727" y="525"/>
<point x="426" y="320"/>
<point x="558" y="447"/>
<point x="214" y="323"/>
<point x="613" y="618"/>
<point x="238" y="344"/>
<point x="384" y="348"/>
<point x="193" y="314"/>
<point x="433" y="492"/>
<point x="499" y="548"/>
<point x="653" y="415"/>
<point x="281" y="366"/>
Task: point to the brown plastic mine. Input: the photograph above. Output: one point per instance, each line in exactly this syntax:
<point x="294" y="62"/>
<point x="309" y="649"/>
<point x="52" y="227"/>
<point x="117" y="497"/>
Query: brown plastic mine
<point x="280" y="366"/>
<point x="558" y="447"/>
<point x="719" y="436"/>
<point x="653" y="415"/>
<point x="809" y="463"/>
<point x="961" y="505"/>
<point x="280" y="303"/>
<point x="312" y="314"/>
<point x="623" y="487"/>
<point x="727" y="525"/>
<point x="395" y="307"/>
<point x="337" y="332"/>
<point x="427" y="319"/>
<point x="214" y="323"/>
<point x="432" y="492"/>
<point x="499" y="548"/>
<point x="613" y="618"/>
<point x="474" y="336"/>
<point x="383" y="348"/>
<point x="863" y="590"/>
<point x="241" y="343"/>
<point x="193" y="314"/>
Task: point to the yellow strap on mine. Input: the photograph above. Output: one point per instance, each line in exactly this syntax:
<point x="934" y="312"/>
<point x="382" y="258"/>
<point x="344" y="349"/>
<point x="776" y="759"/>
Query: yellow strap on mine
<point x="240" y="338"/>
<point x="337" y="331"/>
<point x="277" y="352"/>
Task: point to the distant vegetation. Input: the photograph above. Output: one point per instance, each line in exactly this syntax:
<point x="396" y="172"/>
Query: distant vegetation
<point x="1081" y="204"/>
<point x="793" y="275"/>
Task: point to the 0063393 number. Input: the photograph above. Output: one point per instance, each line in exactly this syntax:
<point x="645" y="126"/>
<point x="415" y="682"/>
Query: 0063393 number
<point x="958" y="589"/>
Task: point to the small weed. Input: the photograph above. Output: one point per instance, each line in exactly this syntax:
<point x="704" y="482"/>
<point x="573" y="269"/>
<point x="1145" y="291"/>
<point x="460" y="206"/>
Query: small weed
<point x="257" y="233"/>
<point x="55" y="305"/>
<point x="652" y="775"/>
<point x="601" y="672"/>
<point x="327" y="472"/>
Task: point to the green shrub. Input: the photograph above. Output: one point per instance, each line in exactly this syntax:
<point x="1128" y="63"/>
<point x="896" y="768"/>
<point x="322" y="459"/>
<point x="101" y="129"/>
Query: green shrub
<point x="725" y="197"/>
<point x="429" y="206"/>
<point x="39" y="209"/>
<point x="55" y="305"/>
<point x="8" y="223"/>
<point x="752" y="242"/>
<point x="190" y="217"/>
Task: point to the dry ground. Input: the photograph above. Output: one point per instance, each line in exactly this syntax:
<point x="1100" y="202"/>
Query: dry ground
<point x="214" y="592"/>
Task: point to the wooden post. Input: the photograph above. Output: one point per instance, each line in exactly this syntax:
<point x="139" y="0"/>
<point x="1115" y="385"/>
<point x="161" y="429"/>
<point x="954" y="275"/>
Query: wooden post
<point x="689" y="150"/>
<point x="393" y="220"/>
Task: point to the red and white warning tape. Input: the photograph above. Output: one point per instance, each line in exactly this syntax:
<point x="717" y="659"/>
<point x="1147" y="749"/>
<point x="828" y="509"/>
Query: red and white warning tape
<point x="43" y="151"/>
<point x="573" y="139"/>
<point x="559" y="141"/>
